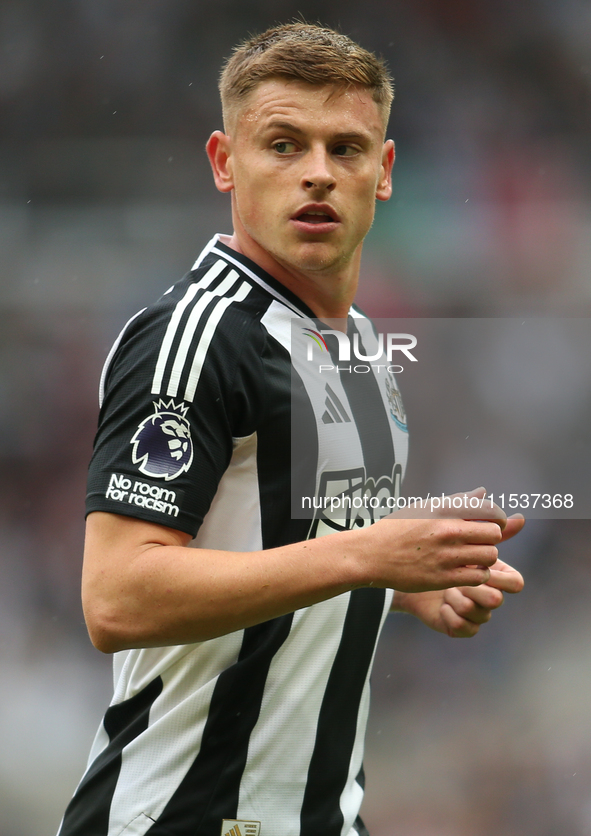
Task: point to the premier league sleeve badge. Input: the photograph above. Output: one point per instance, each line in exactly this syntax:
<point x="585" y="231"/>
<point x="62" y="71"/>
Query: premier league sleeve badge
<point x="162" y="444"/>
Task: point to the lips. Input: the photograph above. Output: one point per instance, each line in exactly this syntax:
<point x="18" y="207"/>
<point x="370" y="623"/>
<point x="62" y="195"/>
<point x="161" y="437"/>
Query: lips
<point x="314" y="217"/>
<point x="320" y="217"/>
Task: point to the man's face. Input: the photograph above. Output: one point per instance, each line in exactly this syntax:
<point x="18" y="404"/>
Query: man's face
<point x="306" y="165"/>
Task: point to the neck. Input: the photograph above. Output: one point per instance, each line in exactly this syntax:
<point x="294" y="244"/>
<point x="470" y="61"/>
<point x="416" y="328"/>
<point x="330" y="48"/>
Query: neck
<point x="328" y="296"/>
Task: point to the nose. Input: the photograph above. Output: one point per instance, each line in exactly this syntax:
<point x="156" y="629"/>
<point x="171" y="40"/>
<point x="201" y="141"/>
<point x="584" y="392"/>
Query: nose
<point x="318" y="173"/>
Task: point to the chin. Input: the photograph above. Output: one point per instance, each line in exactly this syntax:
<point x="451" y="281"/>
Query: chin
<point x="317" y="258"/>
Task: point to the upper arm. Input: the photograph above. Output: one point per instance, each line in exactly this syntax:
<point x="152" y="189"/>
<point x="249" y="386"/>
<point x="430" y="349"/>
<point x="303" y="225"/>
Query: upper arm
<point x="109" y="537"/>
<point x="112" y="567"/>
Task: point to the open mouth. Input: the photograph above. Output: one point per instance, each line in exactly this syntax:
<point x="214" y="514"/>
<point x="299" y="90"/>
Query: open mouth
<point x="317" y="216"/>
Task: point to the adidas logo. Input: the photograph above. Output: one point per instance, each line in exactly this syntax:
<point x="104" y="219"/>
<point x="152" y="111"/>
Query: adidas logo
<point x="234" y="827"/>
<point x="335" y="412"/>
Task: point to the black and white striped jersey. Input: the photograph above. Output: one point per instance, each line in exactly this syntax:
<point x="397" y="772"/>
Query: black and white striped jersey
<point x="259" y="732"/>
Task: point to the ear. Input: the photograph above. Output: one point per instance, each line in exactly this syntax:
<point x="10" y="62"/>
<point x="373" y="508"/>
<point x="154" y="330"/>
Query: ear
<point x="219" y="153"/>
<point x="384" y="188"/>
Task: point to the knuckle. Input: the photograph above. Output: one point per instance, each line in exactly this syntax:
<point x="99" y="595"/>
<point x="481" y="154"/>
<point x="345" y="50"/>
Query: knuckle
<point x="464" y="607"/>
<point x="449" y="530"/>
<point x="497" y="533"/>
<point x="496" y="597"/>
<point x="492" y="555"/>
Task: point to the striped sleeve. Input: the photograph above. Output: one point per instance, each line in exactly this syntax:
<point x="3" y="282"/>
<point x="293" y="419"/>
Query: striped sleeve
<point x="181" y="382"/>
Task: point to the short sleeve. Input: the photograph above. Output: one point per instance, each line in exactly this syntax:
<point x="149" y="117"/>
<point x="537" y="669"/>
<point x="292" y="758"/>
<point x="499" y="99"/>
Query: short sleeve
<point x="165" y="434"/>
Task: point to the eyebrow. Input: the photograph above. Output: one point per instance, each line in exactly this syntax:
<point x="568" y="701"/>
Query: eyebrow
<point x="289" y="126"/>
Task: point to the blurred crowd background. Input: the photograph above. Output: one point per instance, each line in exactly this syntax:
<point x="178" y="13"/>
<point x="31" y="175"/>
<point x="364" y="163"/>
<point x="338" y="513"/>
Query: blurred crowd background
<point x="106" y="199"/>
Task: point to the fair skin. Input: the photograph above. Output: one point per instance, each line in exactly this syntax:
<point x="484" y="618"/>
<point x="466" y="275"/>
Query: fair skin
<point x="298" y="150"/>
<point x="304" y="167"/>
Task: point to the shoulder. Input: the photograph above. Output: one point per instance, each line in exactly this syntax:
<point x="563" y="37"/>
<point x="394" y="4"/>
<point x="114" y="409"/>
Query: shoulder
<point x="209" y="319"/>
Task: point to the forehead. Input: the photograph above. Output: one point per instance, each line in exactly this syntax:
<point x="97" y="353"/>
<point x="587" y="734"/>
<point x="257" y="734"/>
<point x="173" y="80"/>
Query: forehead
<point x="342" y="110"/>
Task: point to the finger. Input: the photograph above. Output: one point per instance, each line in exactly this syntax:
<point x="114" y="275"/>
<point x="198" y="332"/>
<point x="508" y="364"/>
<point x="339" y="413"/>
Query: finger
<point x="481" y="533"/>
<point x="469" y="576"/>
<point x="464" y="505"/>
<point x="466" y="607"/>
<point x="485" y="596"/>
<point x="456" y="626"/>
<point x="505" y="578"/>
<point x="514" y="525"/>
<point x="471" y="562"/>
<point x="465" y="543"/>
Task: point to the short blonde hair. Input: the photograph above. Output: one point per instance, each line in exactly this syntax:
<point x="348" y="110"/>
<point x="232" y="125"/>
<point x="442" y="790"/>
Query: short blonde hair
<point x="303" y="52"/>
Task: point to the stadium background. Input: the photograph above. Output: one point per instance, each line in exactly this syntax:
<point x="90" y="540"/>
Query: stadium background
<point x="105" y="200"/>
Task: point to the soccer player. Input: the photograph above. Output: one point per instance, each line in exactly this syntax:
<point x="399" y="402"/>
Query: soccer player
<point x="243" y="639"/>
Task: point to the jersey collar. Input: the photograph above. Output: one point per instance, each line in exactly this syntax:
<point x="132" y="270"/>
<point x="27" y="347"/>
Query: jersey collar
<point x="217" y="247"/>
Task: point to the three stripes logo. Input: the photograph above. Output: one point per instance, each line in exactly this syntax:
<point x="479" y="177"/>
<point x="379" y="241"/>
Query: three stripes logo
<point x="234" y="827"/>
<point x="335" y="412"/>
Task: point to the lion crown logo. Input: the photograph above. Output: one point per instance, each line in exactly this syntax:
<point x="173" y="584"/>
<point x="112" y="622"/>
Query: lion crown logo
<point x="162" y="445"/>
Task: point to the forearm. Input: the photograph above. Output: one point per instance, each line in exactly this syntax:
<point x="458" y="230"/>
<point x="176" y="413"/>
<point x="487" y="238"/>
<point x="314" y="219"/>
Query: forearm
<point x="160" y="594"/>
